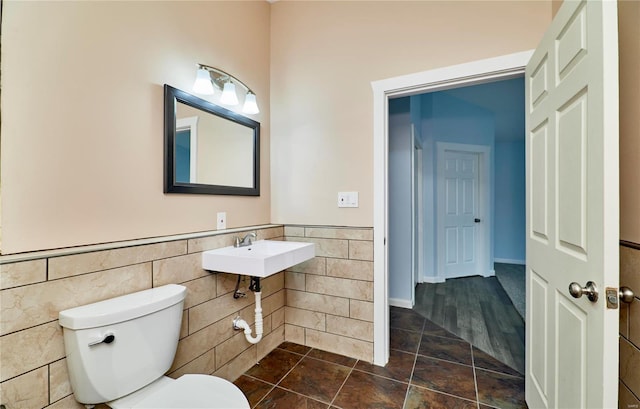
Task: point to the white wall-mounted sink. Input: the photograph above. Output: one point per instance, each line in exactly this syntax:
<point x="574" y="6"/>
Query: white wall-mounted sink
<point x="260" y="259"/>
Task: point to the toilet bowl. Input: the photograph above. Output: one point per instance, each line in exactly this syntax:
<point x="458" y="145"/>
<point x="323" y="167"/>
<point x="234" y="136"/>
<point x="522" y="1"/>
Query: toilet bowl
<point x="119" y="350"/>
<point x="189" y="391"/>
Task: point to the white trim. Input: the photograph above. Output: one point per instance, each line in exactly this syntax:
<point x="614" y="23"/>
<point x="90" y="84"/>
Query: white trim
<point x="398" y="302"/>
<point x="434" y="280"/>
<point x="509" y="261"/>
<point x="483" y="244"/>
<point x="491" y="69"/>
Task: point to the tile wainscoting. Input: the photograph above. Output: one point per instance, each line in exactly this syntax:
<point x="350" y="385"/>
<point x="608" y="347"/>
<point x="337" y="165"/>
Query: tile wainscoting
<point x="33" y="369"/>
<point x="325" y="303"/>
<point x="629" y="386"/>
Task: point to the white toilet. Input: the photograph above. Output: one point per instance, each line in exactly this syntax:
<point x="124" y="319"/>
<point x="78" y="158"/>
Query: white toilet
<point x="118" y="351"/>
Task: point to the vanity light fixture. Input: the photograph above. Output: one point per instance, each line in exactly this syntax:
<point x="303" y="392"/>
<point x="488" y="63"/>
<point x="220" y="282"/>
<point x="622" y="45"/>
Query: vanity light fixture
<point x="207" y="77"/>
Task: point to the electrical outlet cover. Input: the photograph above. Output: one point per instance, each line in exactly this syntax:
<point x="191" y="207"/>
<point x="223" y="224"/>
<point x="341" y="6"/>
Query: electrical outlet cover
<point x="221" y="220"/>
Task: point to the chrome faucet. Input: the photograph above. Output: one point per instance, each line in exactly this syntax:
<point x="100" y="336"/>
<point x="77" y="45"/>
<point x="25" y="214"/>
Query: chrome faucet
<point x="246" y="240"/>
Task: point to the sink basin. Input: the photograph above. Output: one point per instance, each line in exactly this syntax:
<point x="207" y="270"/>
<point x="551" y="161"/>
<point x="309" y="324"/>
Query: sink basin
<point x="261" y="259"/>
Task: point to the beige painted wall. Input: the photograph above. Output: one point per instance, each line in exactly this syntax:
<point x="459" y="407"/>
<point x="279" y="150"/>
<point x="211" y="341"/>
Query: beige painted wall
<point x="324" y="56"/>
<point x="629" y="40"/>
<point x="82" y="109"/>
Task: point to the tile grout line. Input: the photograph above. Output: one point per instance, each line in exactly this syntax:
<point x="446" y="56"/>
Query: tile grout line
<point x="283" y="376"/>
<point x="475" y="379"/>
<point x="343" y="382"/>
<point x="415" y="359"/>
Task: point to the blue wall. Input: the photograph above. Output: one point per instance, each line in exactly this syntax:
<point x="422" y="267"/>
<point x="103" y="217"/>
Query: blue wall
<point x="510" y="236"/>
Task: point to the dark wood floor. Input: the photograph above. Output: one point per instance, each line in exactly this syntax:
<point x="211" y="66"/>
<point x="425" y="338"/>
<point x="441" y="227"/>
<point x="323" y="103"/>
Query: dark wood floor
<point x="478" y="310"/>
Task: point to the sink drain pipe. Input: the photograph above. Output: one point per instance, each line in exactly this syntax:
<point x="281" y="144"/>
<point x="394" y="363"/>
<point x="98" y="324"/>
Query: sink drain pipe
<point x="239" y="323"/>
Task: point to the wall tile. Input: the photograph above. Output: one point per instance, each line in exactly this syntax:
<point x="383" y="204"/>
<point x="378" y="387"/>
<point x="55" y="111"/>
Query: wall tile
<point x="294" y="231"/>
<point x="271" y="233"/>
<point x="22" y="273"/>
<point x="361" y="310"/>
<point x="66" y="266"/>
<point x="270" y="342"/>
<point x="30" y="390"/>
<point x="341" y="287"/>
<point x="294" y="334"/>
<point x="211" y="242"/>
<point x="214" y="310"/>
<point x="176" y="270"/>
<point x="318" y="302"/>
<point x="624" y="320"/>
<point x="294" y="281"/>
<point x="354" y="269"/>
<point x="31" y="305"/>
<point x="305" y="318"/>
<point x="273" y="302"/>
<point x="59" y="380"/>
<point x="238" y="366"/>
<point x="328" y="247"/>
<point x="634" y="322"/>
<point x="339" y="344"/>
<point x="630" y="268"/>
<point x="70" y="403"/>
<point x="317" y="265"/>
<point x="200" y="290"/>
<point x="204" y="364"/>
<point x="629" y="364"/>
<point x="227" y="282"/>
<point x="229" y="349"/>
<point x="350" y="328"/>
<point x="361" y="250"/>
<point x="200" y="342"/>
<point x="339" y="233"/>
<point x="277" y="317"/>
<point x="26" y="350"/>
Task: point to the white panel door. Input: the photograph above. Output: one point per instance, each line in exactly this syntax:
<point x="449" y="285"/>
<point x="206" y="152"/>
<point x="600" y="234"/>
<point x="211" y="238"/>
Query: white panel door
<point x="458" y="210"/>
<point x="572" y="209"/>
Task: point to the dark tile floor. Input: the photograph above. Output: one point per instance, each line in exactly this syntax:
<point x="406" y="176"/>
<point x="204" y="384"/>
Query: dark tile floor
<point x="428" y="368"/>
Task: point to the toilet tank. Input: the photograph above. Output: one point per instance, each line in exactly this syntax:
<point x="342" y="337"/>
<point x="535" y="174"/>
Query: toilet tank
<point x="117" y="346"/>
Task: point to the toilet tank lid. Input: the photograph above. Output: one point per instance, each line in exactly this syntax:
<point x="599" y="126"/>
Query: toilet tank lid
<point x="123" y="308"/>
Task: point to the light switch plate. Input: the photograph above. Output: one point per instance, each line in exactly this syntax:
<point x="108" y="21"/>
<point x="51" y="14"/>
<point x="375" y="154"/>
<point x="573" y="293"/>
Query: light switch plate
<point x="347" y="199"/>
<point x="221" y="220"/>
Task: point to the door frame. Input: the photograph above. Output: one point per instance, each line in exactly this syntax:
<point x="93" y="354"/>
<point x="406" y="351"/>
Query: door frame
<point x="476" y="72"/>
<point x="483" y="237"/>
<point x="417" y="231"/>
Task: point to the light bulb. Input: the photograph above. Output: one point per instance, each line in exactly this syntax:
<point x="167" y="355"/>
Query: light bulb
<point x="229" y="96"/>
<point x="203" y="83"/>
<point x="250" y="104"/>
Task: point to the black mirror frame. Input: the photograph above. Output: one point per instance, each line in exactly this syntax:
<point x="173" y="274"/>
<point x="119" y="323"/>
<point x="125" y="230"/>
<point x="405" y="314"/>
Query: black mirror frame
<point x="171" y="97"/>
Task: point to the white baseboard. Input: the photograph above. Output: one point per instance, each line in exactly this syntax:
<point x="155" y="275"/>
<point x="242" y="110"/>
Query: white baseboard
<point x="491" y="273"/>
<point x="509" y="261"/>
<point x="398" y="302"/>
<point x="433" y="280"/>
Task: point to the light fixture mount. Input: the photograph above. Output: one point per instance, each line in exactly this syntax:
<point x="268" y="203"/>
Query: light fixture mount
<point x="219" y="78"/>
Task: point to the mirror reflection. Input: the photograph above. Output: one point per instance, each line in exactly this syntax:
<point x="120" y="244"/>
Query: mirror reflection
<point x="209" y="149"/>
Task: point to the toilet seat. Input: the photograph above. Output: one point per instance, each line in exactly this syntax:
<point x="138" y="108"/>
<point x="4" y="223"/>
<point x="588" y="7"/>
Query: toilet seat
<point x="189" y="391"/>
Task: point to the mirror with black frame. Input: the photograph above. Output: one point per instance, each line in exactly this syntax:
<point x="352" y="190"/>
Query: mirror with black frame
<point x="208" y="149"/>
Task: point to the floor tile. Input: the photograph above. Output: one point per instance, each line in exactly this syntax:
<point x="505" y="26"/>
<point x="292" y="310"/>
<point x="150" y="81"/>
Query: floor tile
<point x="503" y="391"/>
<point x="253" y="389"/>
<point x="421" y="398"/>
<point x="365" y="391"/>
<point x="297" y="348"/>
<point x="404" y="340"/>
<point x="331" y="357"/>
<point x="274" y="366"/>
<point x="443" y="376"/>
<point x="317" y="379"/>
<point x="485" y="361"/>
<point x="445" y="348"/>
<point x="432" y="328"/>
<point x="281" y="399"/>
<point x="399" y="367"/>
<point x="407" y="319"/>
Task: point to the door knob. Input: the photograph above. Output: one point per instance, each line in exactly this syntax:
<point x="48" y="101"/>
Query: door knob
<point x="626" y="294"/>
<point x="476" y="220"/>
<point x="591" y="291"/>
